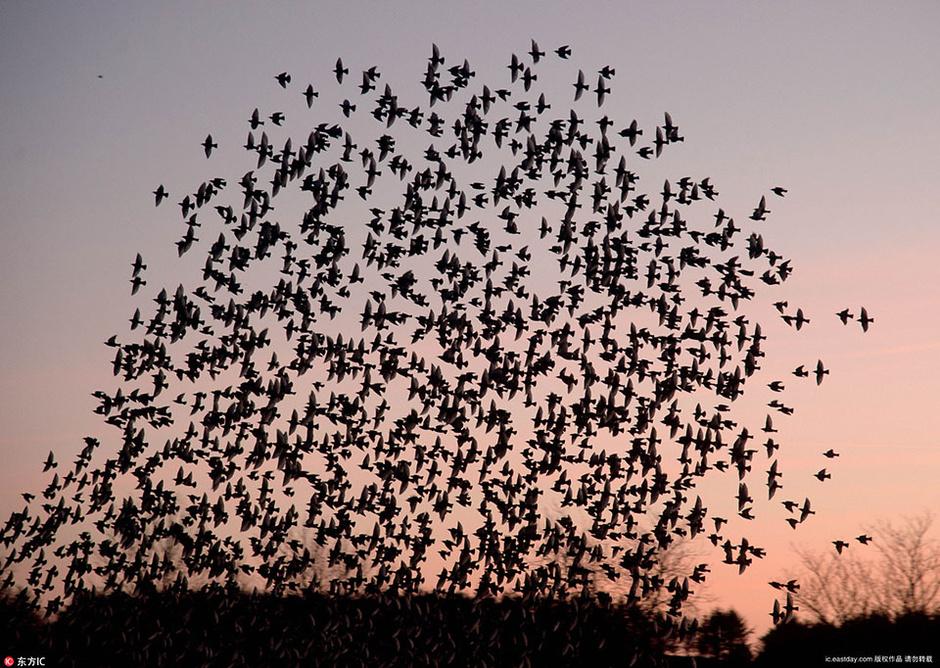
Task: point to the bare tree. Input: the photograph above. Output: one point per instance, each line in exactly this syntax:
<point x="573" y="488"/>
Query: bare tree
<point x="900" y="576"/>
<point x="909" y="574"/>
<point x="679" y="561"/>
<point x="835" y="588"/>
<point x="674" y="568"/>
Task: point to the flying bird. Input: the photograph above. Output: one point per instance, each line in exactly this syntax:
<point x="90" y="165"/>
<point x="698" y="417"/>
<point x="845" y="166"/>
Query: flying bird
<point x="535" y="52"/>
<point x="159" y="195"/>
<point x="340" y="71"/>
<point x="208" y="145"/>
<point x="309" y="95"/>
<point x="579" y="86"/>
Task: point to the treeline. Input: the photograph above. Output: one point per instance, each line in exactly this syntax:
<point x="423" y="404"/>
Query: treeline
<point x="234" y="628"/>
<point x="911" y="635"/>
<point x="242" y="629"/>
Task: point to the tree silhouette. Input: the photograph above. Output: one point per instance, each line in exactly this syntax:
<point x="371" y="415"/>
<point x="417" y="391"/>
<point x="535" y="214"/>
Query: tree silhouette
<point x="909" y="566"/>
<point x="835" y="588"/>
<point x="898" y="574"/>
<point x="723" y="636"/>
<point x="799" y="644"/>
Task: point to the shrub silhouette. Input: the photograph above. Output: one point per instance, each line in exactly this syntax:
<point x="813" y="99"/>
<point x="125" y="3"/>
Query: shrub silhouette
<point x="794" y="643"/>
<point x="723" y="636"/>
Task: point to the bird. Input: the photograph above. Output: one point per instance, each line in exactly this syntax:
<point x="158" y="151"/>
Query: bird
<point x="863" y="539"/>
<point x="160" y="194"/>
<point x="283" y="79"/>
<point x="805" y="511"/>
<point x="309" y="95"/>
<point x="864" y="319"/>
<point x="844" y="315"/>
<point x="601" y="91"/>
<point x="797" y="320"/>
<point x="347" y="108"/>
<point x="138" y="264"/>
<point x="535" y="52"/>
<point x="789" y="608"/>
<point x="761" y="210"/>
<point x="579" y="86"/>
<point x="840" y="545"/>
<point x="208" y="145"/>
<point x="340" y="71"/>
<point x="631" y="132"/>
<point x="790" y="585"/>
<point x="136" y="281"/>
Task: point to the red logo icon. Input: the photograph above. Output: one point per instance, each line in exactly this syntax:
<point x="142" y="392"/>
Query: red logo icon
<point x="9" y="661"/>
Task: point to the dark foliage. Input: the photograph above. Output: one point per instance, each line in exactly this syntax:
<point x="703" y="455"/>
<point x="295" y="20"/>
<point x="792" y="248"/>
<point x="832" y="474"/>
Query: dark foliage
<point x="809" y="644"/>
<point x="723" y="635"/>
<point x="232" y="629"/>
<point x="19" y="625"/>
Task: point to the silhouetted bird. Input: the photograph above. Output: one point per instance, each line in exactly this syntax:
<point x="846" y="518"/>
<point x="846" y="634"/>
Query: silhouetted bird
<point x="208" y="145"/>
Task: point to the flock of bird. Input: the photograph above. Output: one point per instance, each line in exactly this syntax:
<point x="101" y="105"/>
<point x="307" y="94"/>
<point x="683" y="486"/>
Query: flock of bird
<point x="493" y="364"/>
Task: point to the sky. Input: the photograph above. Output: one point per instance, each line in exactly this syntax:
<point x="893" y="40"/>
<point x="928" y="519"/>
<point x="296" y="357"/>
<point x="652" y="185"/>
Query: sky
<point x="838" y="102"/>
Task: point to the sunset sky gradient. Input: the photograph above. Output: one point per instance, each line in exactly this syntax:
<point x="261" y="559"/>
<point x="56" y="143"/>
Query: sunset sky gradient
<point x="837" y="102"/>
